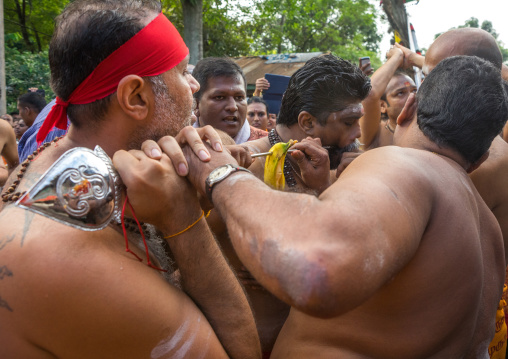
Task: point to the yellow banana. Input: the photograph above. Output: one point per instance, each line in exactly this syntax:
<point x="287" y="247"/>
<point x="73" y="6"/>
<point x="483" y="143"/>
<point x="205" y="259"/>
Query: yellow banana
<point x="274" y="165"/>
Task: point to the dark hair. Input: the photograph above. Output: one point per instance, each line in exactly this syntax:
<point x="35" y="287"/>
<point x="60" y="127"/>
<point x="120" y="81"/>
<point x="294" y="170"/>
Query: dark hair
<point x="255" y="99"/>
<point x="212" y="67"/>
<point x="325" y="84"/>
<point x="87" y="32"/>
<point x="463" y="105"/>
<point x="33" y="100"/>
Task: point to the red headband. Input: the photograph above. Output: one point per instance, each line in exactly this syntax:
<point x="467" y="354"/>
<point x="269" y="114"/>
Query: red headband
<point x="157" y="48"/>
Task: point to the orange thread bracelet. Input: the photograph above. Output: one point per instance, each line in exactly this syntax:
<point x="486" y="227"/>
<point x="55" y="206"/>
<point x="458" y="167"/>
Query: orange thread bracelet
<point x="192" y="225"/>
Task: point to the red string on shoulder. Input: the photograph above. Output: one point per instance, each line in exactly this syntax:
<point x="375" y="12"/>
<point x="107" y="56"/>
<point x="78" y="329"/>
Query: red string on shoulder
<point x="127" y="249"/>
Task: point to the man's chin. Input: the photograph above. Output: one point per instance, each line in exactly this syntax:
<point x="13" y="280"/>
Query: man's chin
<point x="335" y="153"/>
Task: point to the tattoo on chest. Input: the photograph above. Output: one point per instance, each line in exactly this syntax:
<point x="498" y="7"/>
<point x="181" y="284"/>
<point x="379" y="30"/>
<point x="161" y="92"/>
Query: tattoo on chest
<point x="5" y="272"/>
<point x="6" y="240"/>
<point x="4" y="304"/>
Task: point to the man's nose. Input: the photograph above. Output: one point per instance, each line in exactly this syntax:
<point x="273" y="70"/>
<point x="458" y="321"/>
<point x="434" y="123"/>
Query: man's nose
<point x="194" y="84"/>
<point x="358" y="131"/>
<point x="231" y="105"/>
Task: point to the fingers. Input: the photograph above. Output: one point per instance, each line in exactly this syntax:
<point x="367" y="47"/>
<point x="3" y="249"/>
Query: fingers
<point x="262" y="84"/>
<point x="309" y="153"/>
<point x="194" y="138"/>
<point x="171" y="147"/>
<point x="151" y="149"/>
<point x="241" y="155"/>
<point x="123" y="162"/>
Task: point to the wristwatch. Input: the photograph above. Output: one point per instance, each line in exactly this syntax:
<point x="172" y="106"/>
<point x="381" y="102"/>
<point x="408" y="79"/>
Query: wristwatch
<point x="218" y="175"/>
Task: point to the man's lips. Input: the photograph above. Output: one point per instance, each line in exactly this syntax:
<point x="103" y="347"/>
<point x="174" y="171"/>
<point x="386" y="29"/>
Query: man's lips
<point x="230" y="120"/>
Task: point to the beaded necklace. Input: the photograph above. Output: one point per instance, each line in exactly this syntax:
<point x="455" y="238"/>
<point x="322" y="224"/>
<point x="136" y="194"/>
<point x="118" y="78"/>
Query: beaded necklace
<point x="274" y="138"/>
<point x="11" y="195"/>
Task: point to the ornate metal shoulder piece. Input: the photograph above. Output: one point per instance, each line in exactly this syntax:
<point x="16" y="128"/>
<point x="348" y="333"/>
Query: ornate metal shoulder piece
<point x="81" y="189"/>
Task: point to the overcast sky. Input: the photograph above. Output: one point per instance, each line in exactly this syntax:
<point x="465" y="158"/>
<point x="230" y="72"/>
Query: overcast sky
<point x="430" y="17"/>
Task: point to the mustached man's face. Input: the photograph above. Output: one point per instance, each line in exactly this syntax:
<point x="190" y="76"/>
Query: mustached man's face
<point x="224" y="104"/>
<point x="340" y="132"/>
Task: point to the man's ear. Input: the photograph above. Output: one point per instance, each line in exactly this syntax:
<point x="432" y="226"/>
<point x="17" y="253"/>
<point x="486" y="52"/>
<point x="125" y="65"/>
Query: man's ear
<point x="409" y="110"/>
<point x="135" y="97"/>
<point x="479" y="162"/>
<point x="307" y="122"/>
<point x="383" y="106"/>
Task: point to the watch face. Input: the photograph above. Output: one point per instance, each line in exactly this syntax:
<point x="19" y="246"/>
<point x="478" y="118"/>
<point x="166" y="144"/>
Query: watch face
<point x="218" y="173"/>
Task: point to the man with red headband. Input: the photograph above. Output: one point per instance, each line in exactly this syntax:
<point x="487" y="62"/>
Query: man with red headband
<point x="119" y="69"/>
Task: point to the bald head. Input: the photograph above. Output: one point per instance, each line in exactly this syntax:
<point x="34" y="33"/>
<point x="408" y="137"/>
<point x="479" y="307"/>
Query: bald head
<point x="465" y="41"/>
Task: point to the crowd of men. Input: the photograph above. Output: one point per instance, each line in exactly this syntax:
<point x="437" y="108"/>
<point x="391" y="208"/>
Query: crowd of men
<point x="387" y="242"/>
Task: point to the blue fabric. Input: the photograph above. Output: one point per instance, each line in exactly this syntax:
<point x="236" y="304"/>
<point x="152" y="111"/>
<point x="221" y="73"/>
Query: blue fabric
<point x="27" y="143"/>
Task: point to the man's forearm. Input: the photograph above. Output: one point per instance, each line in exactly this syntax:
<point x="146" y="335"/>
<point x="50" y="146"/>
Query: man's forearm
<point x="210" y="282"/>
<point x="384" y="74"/>
<point x="4" y="174"/>
<point x="275" y="253"/>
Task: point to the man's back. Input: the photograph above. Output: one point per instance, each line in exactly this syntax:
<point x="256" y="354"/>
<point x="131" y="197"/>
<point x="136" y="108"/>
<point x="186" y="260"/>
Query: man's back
<point x="444" y="304"/>
<point x="491" y="180"/>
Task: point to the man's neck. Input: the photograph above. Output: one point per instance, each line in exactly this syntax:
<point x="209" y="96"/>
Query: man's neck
<point x="292" y="132"/>
<point x="84" y="138"/>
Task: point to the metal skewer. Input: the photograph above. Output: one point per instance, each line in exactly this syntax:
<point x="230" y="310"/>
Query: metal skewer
<point x="265" y="154"/>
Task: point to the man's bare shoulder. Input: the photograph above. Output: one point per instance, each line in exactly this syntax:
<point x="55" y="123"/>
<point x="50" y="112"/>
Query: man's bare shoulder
<point x="60" y="275"/>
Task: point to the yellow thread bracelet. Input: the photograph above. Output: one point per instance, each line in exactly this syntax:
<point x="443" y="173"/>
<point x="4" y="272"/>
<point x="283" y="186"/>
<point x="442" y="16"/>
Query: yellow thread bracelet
<point x="189" y="227"/>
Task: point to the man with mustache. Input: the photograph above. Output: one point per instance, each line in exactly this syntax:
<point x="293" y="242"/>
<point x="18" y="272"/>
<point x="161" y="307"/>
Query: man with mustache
<point x="400" y="257"/>
<point x="119" y="69"/>
<point x="322" y="102"/>
<point x="221" y="101"/>
<point x="322" y="105"/>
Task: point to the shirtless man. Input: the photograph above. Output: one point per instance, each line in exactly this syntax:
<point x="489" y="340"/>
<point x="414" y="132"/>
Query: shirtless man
<point x="8" y="150"/>
<point x="390" y="90"/>
<point x="491" y="178"/>
<point x="328" y="108"/>
<point x="323" y="109"/>
<point x="360" y="286"/>
<point x="68" y="293"/>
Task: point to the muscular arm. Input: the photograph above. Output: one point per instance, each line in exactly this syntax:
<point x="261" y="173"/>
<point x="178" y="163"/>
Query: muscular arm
<point x="369" y="122"/>
<point x="325" y="255"/>
<point x="205" y="274"/>
<point x="210" y="282"/>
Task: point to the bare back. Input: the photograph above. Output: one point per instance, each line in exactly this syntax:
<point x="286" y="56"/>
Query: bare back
<point x="442" y="301"/>
<point x="68" y="293"/>
<point x="491" y="181"/>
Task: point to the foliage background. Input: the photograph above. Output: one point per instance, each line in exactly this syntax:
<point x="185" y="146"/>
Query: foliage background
<point x="233" y="28"/>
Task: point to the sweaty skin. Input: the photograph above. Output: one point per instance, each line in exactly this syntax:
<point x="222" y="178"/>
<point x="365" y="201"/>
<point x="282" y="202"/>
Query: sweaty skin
<point x="356" y="288"/>
<point x="68" y="293"/>
<point x="491" y="178"/>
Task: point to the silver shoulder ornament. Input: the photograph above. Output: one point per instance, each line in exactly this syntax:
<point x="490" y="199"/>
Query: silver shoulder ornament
<point x="81" y="189"/>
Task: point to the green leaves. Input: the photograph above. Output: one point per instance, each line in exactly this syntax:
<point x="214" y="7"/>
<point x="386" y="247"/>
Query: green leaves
<point x="345" y="27"/>
<point x="24" y="70"/>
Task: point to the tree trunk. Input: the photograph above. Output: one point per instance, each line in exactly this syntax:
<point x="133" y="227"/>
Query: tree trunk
<point x="21" y="11"/>
<point x="397" y="17"/>
<point x="193" y="28"/>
